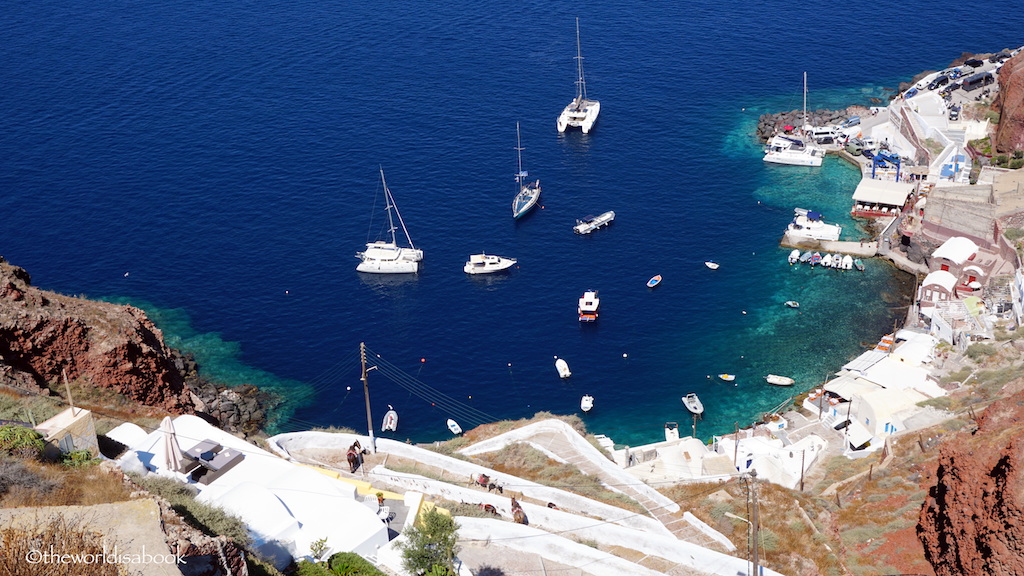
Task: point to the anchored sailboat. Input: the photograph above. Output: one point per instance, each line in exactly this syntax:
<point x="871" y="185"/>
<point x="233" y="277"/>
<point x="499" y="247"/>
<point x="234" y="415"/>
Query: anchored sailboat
<point x="528" y="192"/>
<point x="386" y="256"/>
<point x="581" y="112"/>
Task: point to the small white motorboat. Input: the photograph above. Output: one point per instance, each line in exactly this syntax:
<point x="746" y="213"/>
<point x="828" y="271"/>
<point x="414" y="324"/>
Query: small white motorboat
<point x="792" y="303"/>
<point x="586" y="403"/>
<point x="390" y="420"/>
<point x="588" y="224"/>
<point x="693" y="404"/>
<point x="588" y="307"/>
<point x="827" y="261"/>
<point x="779" y="380"/>
<point x="563" y="368"/>
<point x="794" y="256"/>
<point x="454" y="427"/>
<point x="654" y="281"/>
<point x="487" y="264"/>
<point x="847" y="263"/>
<point x="711" y="264"/>
<point x="727" y="377"/>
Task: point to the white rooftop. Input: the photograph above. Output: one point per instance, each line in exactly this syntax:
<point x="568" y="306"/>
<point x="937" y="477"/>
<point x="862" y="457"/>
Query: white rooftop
<point x="942" y="278"/>
<point x="957" y="249"/>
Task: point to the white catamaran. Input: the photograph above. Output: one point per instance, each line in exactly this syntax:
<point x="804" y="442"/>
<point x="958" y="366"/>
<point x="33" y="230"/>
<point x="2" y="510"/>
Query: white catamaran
<point x="386" y="256"/>
<point x="528" y="192"/>
<point x="581" y="112"/>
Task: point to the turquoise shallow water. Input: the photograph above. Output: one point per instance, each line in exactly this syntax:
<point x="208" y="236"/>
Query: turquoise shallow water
<point x="225" y="155"/>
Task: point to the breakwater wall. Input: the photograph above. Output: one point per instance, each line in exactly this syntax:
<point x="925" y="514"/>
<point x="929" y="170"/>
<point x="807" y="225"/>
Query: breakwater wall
<point x="768" y="124"/>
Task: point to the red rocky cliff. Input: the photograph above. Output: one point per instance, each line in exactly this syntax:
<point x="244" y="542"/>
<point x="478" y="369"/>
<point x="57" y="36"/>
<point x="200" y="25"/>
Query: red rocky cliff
<point x="972" y="523"/>
<point x="96" y="343"/>
<point x="1010" y="105"/>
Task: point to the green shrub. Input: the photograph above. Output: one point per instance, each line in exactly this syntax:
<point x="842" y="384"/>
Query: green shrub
<point x="20" y="441"/>
<point x="352" y="564"/>
<point x="979" y="351"/>
<point x="999" y="160"/>
<point x="1016" y="163"/>
<point x="1014" y="234"/>
<point x="78" y="459"/>
<point x="211" y="520"/>
<point x="1018" y="153"/>
<point x="307" y="568"/>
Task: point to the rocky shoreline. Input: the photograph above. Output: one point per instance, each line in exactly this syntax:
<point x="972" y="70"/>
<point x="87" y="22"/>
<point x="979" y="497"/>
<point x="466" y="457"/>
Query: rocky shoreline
<point x="45" y="336"/>
<point x="769" y="124"/>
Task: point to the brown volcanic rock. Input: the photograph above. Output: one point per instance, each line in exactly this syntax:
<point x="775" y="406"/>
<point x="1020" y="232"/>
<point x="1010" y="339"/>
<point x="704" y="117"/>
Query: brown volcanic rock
<point x="972" y="522"/>
<point x="97" y="343"/>
<point x="1010" y="105"/>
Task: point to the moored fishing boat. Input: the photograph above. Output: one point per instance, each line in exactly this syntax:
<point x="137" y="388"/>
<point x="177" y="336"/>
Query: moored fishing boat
<point x="587" y="403"/>
<point x="792" y="303"/>
<point x="654" y="281"/>
<point x="711" y="264"/>
<point x="563" y="368"/>
<point x="794" y="256"/>
<point x="454" y="427"/>
<point x="588" y="224"/>
<point x="390" y="420"/>
<point x="727" y="377"/>
<point x="589" y="305"/>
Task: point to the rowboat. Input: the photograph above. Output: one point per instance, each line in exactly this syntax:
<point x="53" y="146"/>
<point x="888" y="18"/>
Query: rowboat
<point x="390" y="420"/>
<point x="792" y="303"/>
<point x="454" y="427"/>
<point x="727" y="377"/>
<point x="779" y="380"/>
<point x="654" y="281"/>
<point x="711" y="264"/>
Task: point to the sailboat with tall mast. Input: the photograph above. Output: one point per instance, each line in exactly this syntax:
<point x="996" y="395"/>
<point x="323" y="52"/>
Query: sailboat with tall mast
<point x="791" y="150"/>
<point x="581" y="112"/>
<point x="527" y="193"/>
<point x="386" y="256"/>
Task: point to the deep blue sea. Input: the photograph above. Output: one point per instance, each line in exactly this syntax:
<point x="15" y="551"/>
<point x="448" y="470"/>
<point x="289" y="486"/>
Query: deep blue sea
<point x="216" y="163"/>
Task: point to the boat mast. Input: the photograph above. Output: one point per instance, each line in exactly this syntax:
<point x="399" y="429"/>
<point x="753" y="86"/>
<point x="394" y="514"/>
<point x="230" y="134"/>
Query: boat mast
<point x="520" y="174"/>
<point x="581" y="85"/>
<point x="391" y="205"/>
<point x="366" y="391"/>
<point x="805" y="100"/>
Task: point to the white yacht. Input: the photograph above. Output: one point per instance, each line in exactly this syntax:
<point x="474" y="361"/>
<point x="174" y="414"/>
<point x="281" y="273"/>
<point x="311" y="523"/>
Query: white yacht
<point x="793" y="151"/>
<point x="783" y="149"/>
<point x="527" y="193"/>
<point x="386" y="256"/>
<point x="808" y="225"/>
<point x="590" y="223"/>
<point x="581" y="112"/>
<point x="487" y="264"/>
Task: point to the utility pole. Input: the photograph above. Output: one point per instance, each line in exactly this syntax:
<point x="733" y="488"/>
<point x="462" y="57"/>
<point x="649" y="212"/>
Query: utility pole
<point x="366" y="395"/>
<point x="754" y="522"/>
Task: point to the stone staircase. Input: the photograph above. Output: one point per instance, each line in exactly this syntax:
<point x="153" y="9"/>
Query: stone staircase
<point x="673" y="521"/>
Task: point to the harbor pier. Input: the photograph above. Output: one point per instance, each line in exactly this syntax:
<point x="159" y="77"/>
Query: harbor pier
<point x="855" y="249"/>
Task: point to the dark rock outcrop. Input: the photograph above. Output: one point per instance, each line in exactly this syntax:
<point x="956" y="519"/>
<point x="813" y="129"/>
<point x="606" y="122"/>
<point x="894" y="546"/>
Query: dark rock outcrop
<point x="972" y="522"/>
<point x="1009" y="103"/>
<point x="95" y="343"/>
<point x="110" y="346"/>
<point x="769" y="124"/>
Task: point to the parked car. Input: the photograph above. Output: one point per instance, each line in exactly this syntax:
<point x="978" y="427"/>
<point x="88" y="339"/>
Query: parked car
<point x="910" y="93"/>
<point x="939" y="81"/>
<point x="867" y="153"/>
<point x="955" y="73"/>
<point x="851" y="121"/>
<point x="954" y="114"/>
<point x="974" y="63"/>
<point x="998" y="57"/>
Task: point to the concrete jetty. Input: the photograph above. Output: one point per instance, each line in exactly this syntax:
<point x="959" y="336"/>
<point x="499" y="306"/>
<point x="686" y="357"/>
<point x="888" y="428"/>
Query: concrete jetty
<point x="856" y="249"/>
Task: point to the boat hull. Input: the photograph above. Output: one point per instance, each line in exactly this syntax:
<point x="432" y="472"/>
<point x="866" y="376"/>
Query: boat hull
<point x="454" y="427"/>
<point x="693" y="404"/>
<point x="579" y="114"/>
<point x="487" y="264"/>
<point x="390" y="422"/>
<point x="654" y="281"/>
<point x="587" y="403"/>
<point x="563" y="368"/>
<point x="526" y="200"/>
<point x="779" y="380"/>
